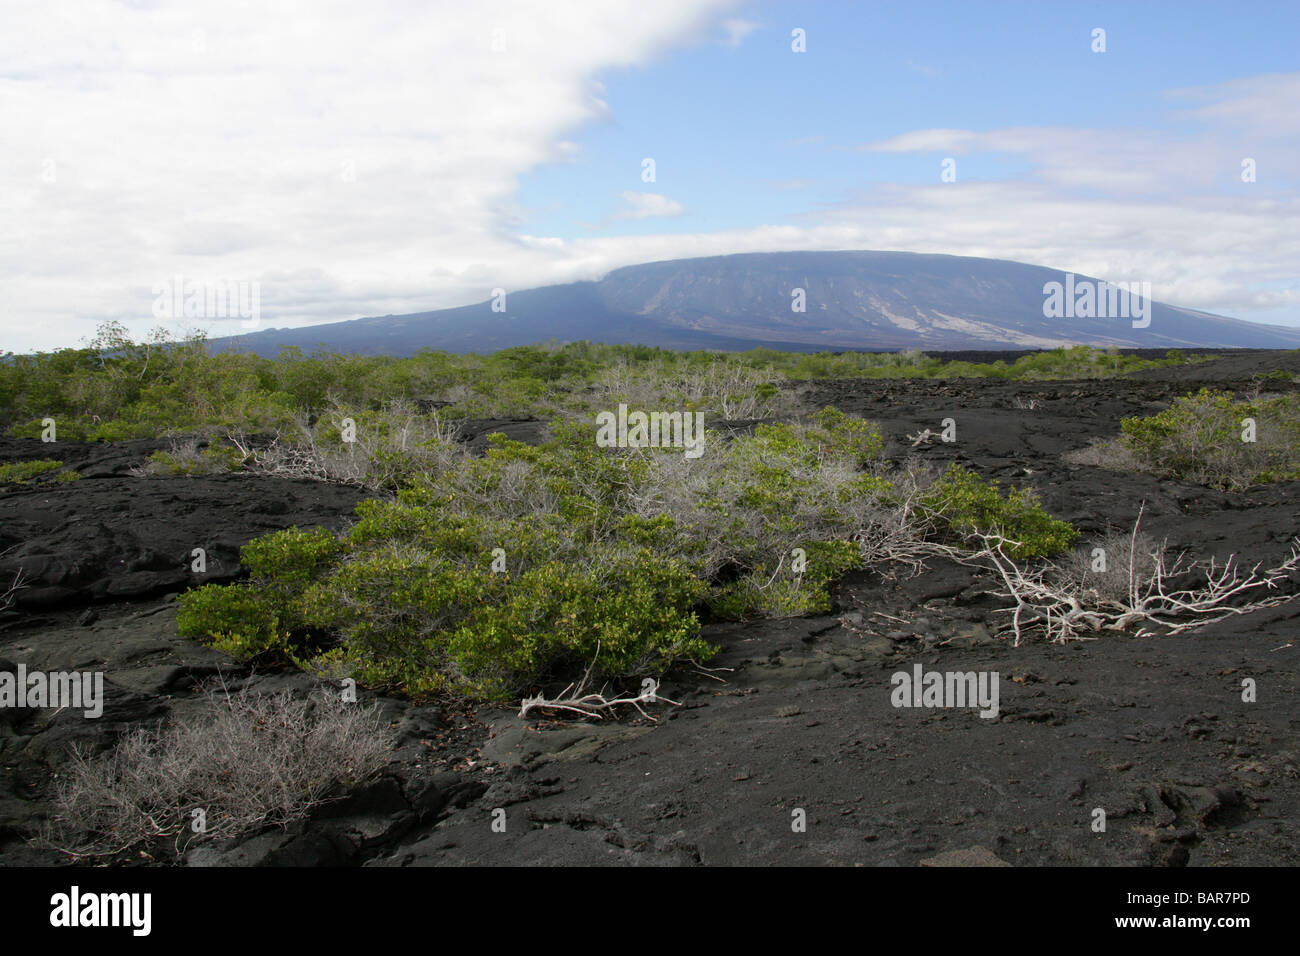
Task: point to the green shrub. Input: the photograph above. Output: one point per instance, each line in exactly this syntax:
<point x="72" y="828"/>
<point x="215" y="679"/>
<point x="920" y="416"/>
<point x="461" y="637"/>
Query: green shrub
<point x="783" y="591"/>
<point x="264" y="616"/>
<point x="186" y="459"/>
<point x="631" y="614"/>
<point x="117" y="389"/>
<point x="1201" y="438"/>
<point x="238" y="619"/>
<point x="420" y="621"/>
<point x="609" y="554"/>
<point x="35" y="471"/>
<point x="967" y="504"/>
<point x="292" y="556"/>
<point x="854" y="438"/>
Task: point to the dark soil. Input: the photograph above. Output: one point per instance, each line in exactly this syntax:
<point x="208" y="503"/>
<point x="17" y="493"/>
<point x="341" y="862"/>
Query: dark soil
<point x="796" y="720"/>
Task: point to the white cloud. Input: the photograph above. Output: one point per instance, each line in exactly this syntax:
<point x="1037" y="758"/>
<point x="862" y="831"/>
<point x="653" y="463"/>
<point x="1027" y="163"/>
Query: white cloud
<point x="1132" y="161"/>
<point x="790" y="185"/>
<point x="1124" y="205"/>
<point x="1167" y="206"/>
<point x="645" y="205"/>
<point x="356" y="159"/>
<point x="736" y="29"/>
<point x="1264" y="105"/>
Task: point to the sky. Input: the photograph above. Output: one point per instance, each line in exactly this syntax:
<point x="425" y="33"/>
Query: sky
<point x="336" y="160"/>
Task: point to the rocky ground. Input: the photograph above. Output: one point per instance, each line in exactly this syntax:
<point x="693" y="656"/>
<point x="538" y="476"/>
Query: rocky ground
<point x="795" y="722"/>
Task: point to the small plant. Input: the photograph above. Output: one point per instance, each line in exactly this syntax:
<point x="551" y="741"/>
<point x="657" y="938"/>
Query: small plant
<point x="33" y="472"/>
<point x="260" y="617"/>
<point x="1110" y="569"/>
<point x="786" y="592"/>
<point x="185" y="458"/>
<point x="1108" y="453"/>
<point x="236" y="619"/>
<point x="245" y="762"/>
<point x="374" y="449"/>
<point x="969" y="505"/>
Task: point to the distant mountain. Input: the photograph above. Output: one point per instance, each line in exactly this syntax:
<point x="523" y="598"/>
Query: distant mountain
<point x="852" y="300"/>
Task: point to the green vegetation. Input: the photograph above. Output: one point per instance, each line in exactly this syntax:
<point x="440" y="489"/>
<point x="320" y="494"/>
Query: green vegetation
<point x="971" y="505"/>
<point x="1063" y="363"/>
<point x="35" y="471"/>
<point x="185" y="458"/>
<point x="117" y="389"/>
<point x="499" y="574"/>
<point x="490" y="576"/>
<point x="1206" y="438"/>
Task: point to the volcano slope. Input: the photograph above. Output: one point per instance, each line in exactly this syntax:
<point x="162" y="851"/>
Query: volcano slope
<point x="789" y="751"/>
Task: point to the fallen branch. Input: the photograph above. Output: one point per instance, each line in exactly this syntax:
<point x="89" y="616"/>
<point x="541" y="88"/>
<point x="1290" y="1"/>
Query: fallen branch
<point x="1066" y="610"/>
<point x="592" y="704"/>
<point x="7" y="598"/>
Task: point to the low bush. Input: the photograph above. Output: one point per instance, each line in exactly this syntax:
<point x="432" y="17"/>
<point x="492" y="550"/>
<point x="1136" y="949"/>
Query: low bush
<point x="1109" y="453"/>
<point x="185" y="458"/>
<point x="263" y="616"/>
<point x="35" y="471"/>
<point x="1111" y="569"/>
<point x="115" y="389"/>
<point x="490" y="577"/>
<point x="969" y="505"/>
<point x="1205" y="438"/>
<point x="241" y="619"/>
<point x="245" y="762"/>
<point x="377" y="449"/>
<point x="799" y="590"/>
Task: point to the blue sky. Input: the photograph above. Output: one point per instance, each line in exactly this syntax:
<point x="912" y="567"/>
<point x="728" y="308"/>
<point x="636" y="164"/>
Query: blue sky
<point x="751" y="135"/>
<point x="405" y="155"/>
<point x="726" y="124"/>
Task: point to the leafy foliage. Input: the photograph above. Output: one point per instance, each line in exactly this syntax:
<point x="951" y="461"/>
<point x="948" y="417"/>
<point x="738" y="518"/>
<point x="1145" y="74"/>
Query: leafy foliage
<point x="494" y="575"/>
<point x="187" y="459"/>
<point x="35" y="471"/>
<point x="115" y="389"/>
<point x="970" y="505"/>
<point x="1203" y="438"/>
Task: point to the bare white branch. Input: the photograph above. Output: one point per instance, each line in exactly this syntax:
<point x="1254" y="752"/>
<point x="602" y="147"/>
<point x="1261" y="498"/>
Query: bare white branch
<point x="7" y="597"/>
<point x="577" y="700"/>
<point x="1063" y="608"/>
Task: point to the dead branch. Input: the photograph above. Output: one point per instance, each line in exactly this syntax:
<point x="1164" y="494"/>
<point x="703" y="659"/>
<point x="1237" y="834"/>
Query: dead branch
<point x="7" y="597"/>
<point x="575" y="699"/>
<point x="1063" y="610"/>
